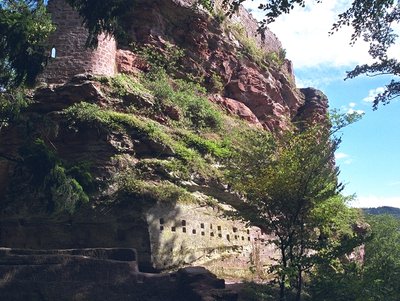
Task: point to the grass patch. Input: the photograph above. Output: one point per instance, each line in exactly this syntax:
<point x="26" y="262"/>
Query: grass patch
<point x="188" y="152"/>
<point x="252" y="50"/>
<point x="205" y="146"/>
<point x="130" y="188"/>
<point x="198" y="112"/>
<point x="122" y="85"/>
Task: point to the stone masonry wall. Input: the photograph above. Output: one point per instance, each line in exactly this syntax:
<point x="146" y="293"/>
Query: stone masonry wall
<point x="183" y="234"/>
<point x="267" y="40"/>
<point x="72" y="57"/>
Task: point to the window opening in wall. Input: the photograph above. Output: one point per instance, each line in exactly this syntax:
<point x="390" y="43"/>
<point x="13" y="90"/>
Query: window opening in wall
<point x="242" y="237"/>
<point x="202" y="226"/>
<point x="210" y="226"/>
<point x="183" y="223"/>
<point x="184" y="229"/>
<point x="236" y="237"/>
<point x="203" y="233"/>
<point x="161" y="221"/>
<point x="228" y="238"/>
<point x="248" y="238"/>
<point x="219" y="228"/>
<point x="194" y="231"/>
<point x="220" y="235"/>
<point x="212" y="234"/>
<point x="235" y="229"/>
<point x="248" y="231"/>
<point x="173" y="229"/>
<point x="53" y="53"/>
<point x="161" y="228"/>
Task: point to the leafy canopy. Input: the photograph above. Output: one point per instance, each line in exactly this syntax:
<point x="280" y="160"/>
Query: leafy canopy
<point x="24" y="29"/>
<point x="292" y="192"/>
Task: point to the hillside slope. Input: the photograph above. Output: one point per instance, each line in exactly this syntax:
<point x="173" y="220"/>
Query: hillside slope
<point x="136" y="159"/>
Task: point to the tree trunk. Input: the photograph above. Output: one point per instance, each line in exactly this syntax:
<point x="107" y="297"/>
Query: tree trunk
<point x="299" y="284"/>
<point x="282" y="296"/>
<point x="282" y="292"/>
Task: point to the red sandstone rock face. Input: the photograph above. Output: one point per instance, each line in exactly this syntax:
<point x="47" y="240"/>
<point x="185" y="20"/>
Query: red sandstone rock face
<point x="315" y="108"/>
<point x="261" y="95"/>
<point x="129" y="62"/>
<point x="268" y="96"/>
<point x="236" y="108"/>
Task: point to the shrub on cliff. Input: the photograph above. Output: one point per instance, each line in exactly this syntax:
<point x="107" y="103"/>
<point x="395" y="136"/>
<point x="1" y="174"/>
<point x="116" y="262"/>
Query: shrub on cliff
<point x="59" y="191"/>
<point x="189" y="97"/>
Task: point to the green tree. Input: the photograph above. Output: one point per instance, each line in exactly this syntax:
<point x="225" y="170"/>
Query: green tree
<point x="372" y="20"/>
<point x="374" y="278"/>
<point x="381" y="271"/>
<point x="292" y="192"/>
<point x="24" y="29"/>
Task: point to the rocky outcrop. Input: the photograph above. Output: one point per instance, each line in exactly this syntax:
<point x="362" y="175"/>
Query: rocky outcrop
<point x="99" y="274"/>
<point x="129" y="129"/>
<point x="212" y="52"/>
<point x="315" y="108"/>
<point x="236" y="108"/>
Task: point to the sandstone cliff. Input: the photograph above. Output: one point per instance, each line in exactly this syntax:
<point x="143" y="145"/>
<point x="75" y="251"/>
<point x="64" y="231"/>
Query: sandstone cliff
<point x="130" y="153"/>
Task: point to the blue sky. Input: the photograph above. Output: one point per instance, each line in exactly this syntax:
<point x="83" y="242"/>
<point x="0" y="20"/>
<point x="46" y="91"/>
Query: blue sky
<point x="369" y="156"/>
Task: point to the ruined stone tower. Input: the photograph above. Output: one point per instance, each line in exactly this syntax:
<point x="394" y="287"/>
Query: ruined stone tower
<point x="69" y="56"/>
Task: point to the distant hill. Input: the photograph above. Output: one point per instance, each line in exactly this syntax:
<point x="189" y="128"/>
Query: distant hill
<point x="383" y="210"/>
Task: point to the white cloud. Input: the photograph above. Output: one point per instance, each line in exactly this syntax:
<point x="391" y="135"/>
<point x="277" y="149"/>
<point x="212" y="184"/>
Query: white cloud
<point x="375" y="201"/>
<point x="373" y="93"/>
<point x="339" y="156"/>
<point x="304" y="35"/>
<point x="343" y="158"/>
<point x="350" y="109"/>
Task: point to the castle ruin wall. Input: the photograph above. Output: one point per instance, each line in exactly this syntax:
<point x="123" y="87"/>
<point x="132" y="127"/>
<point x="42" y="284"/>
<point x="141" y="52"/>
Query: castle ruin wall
<point x="67" y="44"/>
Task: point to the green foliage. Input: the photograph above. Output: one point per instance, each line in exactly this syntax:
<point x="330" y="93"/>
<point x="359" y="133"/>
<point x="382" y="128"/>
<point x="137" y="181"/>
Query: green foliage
<point x="24" y="29"/>
<point x="167" y="59"/>
<point x="251" y="49"/>
<point x="189" y="97"/>
<point x="217" y="83"/>
<point x="383" y="210"/>
<point x="257" y="292"/>
<point x="84" y="112"/>
<point x="382" y="259"/>
<point x="97" y="117"/>
<point x="206" y="146"/>
<point x="292" y="192"/>
<point x="104" y="17"/>
<point x="338" y="281"/>
<point x="122" y="84"/>
<point x="81" y="173"/>
<point x="207" y="4"/>
<point x="11" y="104"/>
<point x="339" y="120"/>
<point x="376" y="278"/>
<point x="39" y="160"/>
<point x="62" y="191"/>
<point x="131" y="189"/>
<point x="249" y="44"/>
<point x="66" y="192"/>
<point x="276" y="58"/>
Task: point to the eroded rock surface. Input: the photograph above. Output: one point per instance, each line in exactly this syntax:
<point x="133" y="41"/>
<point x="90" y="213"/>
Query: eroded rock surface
<point x="99" y="274"/>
